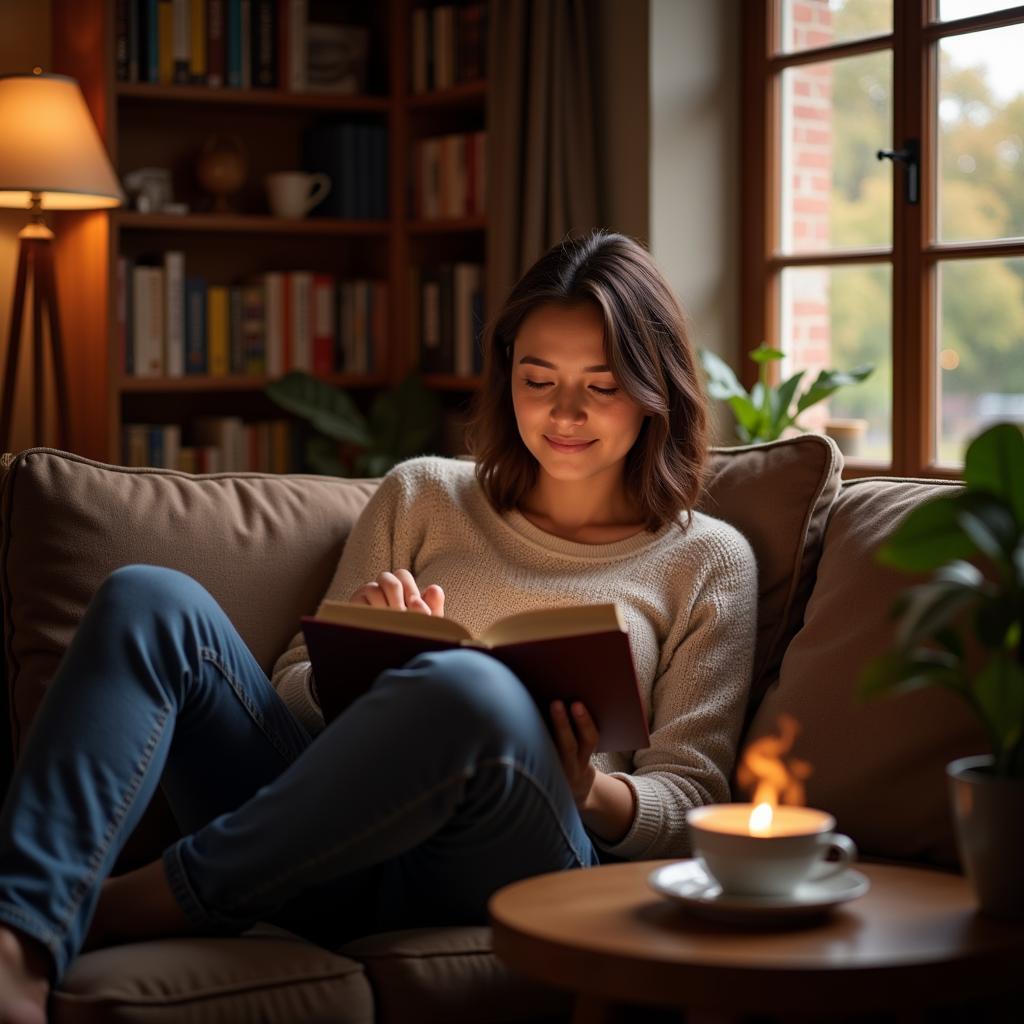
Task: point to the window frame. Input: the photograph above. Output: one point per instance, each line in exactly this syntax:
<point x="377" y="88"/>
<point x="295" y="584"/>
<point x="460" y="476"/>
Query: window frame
<point x="914" y="255"/>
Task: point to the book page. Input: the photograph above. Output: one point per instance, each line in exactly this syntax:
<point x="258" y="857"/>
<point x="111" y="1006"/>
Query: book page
<point x="551" y="623"/>
<point x="392" y="620"/>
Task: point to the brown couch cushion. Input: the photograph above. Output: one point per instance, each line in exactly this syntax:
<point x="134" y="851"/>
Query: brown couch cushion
<point x="258" y="977"/>
<point x="778" y="496"/>
<point x="265" y="546"/>
<point x="450" y="976"/>
<point x="878" y="767"/>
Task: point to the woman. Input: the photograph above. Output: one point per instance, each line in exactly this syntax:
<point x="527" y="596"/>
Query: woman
<point x="444" y="782"/>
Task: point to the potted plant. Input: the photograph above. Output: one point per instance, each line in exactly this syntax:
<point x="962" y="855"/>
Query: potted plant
<point x="962" y="629"/>
<point x="763" y="413"/>
<point x="401" y="423"/>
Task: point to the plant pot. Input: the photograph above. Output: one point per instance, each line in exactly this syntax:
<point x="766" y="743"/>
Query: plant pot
<point x="989" y="814"/>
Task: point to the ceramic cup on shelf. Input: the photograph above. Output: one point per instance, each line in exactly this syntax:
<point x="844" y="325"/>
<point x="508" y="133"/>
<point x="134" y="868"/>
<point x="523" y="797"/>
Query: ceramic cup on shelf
<point x="294" y="193"/>
<point x="773" y="861"/>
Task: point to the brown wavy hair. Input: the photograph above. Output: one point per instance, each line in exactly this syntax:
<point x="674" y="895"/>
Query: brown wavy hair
<point x="648" y="348"/>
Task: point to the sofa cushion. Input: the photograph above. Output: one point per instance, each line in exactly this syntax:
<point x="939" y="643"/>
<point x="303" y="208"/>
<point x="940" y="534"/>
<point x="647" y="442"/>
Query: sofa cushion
<point x="256" y="977"/>
<point x="450" y="976"/>
<point x="778" y="496"/>
<point x="878" y="767"/>
<point x="265" y="547"/>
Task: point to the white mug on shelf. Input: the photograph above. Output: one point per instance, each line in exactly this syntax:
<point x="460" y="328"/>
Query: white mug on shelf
<point x="294" y="193"/>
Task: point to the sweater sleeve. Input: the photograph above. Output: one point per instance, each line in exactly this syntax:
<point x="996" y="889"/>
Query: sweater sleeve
<point x="698" y="702"/>
<point x="369" y="550"/>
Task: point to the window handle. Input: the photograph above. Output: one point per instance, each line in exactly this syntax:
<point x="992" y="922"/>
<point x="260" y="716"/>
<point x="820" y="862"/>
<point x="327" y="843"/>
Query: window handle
<point x="910" y="157"/>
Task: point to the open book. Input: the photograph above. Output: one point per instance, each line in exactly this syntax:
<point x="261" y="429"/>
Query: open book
<point x="576" y="653"/>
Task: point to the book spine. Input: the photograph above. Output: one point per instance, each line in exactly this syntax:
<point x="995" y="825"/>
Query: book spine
<point x="217" y="330"/>
<point x="245" y="43"/>
<point x="147" y="331"/>
<point x="287" y="322"/>
<point x="302" y="320"/>
<point x="324" y="327"/>
<point x="122" y="34"/>
<point x="233" y="43"/>
<point x="364" y="171"/>
<point x="420" y="84"/>
<point x="264" y="50"/>
<point x="215" y="40"/>
<point x="273" y="284"/>
<point x="197" y="30"/>
<point x="254" y="329"/>
<point x="174" y="314"/>
<point x="470" y="43"/>
<point x="430" y="317"/>
<point x="165" y="41"/>
<point x="195" y="326"/>
<point x="124" y="315"/>
<point x="347" y="325"/>
<point x="281" y="44"/>
<point x="149" y="41"/>
<point x="181" y="40"/>
<point x="446" y="303"/>
<point x="297" y="21"/>
<point x="237" y="356"/>
<point x="171" y="441"/>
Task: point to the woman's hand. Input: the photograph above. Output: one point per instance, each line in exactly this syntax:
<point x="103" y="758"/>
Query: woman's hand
<point x="576" y="741"/>
<point x="398" y="589"/>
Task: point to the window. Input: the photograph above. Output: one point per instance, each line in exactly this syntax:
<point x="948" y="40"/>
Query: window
<point x="913" y="261"/>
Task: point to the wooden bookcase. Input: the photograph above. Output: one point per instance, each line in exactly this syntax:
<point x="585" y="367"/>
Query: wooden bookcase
<point x="156" y="125"/>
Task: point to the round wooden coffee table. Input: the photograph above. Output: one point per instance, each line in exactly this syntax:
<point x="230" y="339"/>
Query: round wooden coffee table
<point x="914" y="941"/>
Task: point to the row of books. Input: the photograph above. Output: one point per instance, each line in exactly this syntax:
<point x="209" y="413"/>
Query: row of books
<point x="448" y="317"/>
<point x="449" y="45"/>
<point x="216" y="444"/>
<point x="172" y="325"/>
<point x="449" y="176"/>
<point x="258" y="44"/>
<point x="354" y="156"/>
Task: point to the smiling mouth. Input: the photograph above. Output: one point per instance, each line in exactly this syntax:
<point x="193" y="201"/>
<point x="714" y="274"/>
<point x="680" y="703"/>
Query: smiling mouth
<point x="568" y="446"/>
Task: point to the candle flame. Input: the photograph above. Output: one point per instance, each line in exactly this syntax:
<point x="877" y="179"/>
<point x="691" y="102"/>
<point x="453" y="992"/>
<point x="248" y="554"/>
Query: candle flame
<point x="761" y="819"/>
<point x="774" y="777"/>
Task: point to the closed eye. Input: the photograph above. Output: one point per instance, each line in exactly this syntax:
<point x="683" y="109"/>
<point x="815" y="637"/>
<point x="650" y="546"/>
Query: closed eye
<point x="603" y="391"/>
<point x="537" y="385"/>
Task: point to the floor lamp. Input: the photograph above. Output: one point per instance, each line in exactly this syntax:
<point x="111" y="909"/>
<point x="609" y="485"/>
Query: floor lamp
<point x="51" y="158"/>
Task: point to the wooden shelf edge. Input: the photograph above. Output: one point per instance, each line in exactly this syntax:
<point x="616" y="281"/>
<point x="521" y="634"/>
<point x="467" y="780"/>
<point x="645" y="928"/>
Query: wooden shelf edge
<point x="249" y="382"/>
<point x="251" y="97"/>
<point x="248" y="223"/>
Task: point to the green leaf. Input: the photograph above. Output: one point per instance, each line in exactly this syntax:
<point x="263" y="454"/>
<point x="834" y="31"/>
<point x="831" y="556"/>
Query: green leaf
<point x="930" y="607"/>
<point x="901" y="672"/>
<point x="990" y="524"/>
<point x="326" y="408"/>
<point x="321" y="456"/>
<point x="722" y="382"/>
<point x="404" y="420"/>
<point x="995" y="463"/>
<point x="746" y="414"/>
<point x="999" y="692"/>
<point x="829" y="381"/>
<point x="782" y="400"/>
<point x="766" y="354"/>
<point x="928" y="536"/>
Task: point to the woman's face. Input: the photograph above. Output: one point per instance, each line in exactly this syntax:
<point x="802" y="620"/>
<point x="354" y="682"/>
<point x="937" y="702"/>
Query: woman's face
<point x="572" y="415"/>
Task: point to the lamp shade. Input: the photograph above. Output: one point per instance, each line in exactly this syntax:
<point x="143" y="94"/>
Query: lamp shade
<point x="49" y="145"/>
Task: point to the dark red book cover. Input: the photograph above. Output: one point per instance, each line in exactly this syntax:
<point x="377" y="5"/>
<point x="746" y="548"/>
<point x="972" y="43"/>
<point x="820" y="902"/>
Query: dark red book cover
<point x="595" y="668"/>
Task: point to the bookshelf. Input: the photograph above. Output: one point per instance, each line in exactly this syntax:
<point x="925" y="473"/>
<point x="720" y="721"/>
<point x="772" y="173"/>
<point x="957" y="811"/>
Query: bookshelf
<point x="164" y="125"/>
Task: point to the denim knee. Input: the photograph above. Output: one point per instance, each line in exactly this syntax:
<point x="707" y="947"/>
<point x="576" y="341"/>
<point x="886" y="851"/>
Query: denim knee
<point x="472" y="690"/>
<point x="136" y="589"/>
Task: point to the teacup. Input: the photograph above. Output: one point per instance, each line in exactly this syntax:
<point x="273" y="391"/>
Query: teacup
<point x="770" y="863"/>
<point x="295" y="193"/>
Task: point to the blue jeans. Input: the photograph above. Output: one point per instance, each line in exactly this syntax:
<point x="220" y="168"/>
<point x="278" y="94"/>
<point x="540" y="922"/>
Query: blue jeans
<point x="437" y="787"/>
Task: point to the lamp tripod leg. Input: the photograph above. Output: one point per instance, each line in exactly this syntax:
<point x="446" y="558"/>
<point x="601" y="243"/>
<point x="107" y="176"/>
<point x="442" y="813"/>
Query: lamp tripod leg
<point x="13" y="345"/>
<point x="46" y="275"/>
<point x="38" y="349"/>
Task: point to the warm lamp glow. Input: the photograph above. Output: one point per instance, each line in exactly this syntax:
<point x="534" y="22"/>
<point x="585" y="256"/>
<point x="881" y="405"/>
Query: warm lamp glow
<point x="761" y="820"/>
<point x="49" y="146"/>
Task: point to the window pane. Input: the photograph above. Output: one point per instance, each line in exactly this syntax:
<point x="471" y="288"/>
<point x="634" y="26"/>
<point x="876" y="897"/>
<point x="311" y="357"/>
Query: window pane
<point x="981" y="135"/>
<point x="951" y="10"/>
<point x="836" y="116"/>
<point x="981" y="349"/>
<point x="810" y="23"/>
<point x="838" y="318"/>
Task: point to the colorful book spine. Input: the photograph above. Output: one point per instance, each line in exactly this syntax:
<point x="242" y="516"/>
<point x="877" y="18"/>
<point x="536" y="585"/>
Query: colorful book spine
<point x="196" y="351"/>
<point x="233" y="43"/>
<point x="264" y="44"/>
<point x="254" y="329"/>
<point x="122" y="37"/>
<point x="236" y="358"/>
<point x="273" y="284"/>
<point x="181" y="41"/>
<point x="301" y="294"/>
<point x="165" y="41"/>
<point x="174" y="313"/>
<point x="216" y="31"/>
<point x="218" y="330"/>
<point x="197" y="36"/>
<point x="148" y="321"/>
<point x="324" y="324"/>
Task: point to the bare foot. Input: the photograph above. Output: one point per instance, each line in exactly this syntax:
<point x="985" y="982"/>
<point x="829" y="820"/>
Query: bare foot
<point x="23" y="990"/>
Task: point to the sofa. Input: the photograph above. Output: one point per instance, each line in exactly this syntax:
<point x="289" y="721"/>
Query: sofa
<point x="266" y="546"/>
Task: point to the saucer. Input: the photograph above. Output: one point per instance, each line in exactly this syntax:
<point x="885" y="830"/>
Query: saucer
<point x="687" y="883"/>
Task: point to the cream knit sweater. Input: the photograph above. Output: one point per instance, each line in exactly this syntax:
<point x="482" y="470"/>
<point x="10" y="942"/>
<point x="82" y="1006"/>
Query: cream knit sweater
<point x="689" y="598"/>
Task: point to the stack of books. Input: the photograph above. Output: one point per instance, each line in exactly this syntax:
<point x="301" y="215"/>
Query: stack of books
<point x="172" y="325"/>
<point x="449" y="176"/>
<point x="448" y="317"/>
<point x="218" y="444"/>
<point x="449" y="45"/>
<point x="242" y="44"/>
